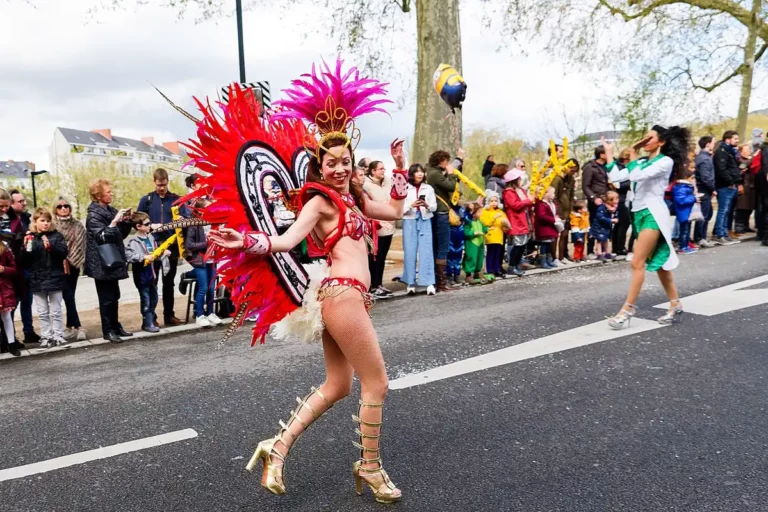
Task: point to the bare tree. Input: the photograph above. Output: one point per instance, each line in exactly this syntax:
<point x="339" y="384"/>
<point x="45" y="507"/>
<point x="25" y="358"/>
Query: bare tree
<point x="691" y="45"/>
<point x="374" y="30"/>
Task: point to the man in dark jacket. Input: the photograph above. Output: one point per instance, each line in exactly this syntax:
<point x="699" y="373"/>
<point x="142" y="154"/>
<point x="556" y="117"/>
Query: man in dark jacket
<point x="594" y="184"/>
<point x="158" y="205"/>
<point x="19" y="207"/>
<point x="761" y="192"/>
<point x="727" y="179"/>
<point x="443" y="181"/>
<point x="705" y="184"/>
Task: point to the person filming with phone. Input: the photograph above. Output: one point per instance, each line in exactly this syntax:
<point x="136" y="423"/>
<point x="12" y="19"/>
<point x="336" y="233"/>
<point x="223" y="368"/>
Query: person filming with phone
<point x="105" y="259"/>
<point x="420" y="207"/>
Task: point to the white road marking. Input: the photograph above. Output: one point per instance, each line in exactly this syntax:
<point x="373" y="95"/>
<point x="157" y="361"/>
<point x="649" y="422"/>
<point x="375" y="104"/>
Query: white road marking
<point x="98" y="453"/>
<point x="713" y="302"/>
<point x="566" y="340"/>
<point x="725" y="299"/>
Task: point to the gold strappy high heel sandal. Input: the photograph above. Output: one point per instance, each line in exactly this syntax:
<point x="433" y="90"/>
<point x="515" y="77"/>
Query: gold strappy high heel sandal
<point x="376" y="478"/>
<point x="272" y="476"/>
<point x="623" y="318"/>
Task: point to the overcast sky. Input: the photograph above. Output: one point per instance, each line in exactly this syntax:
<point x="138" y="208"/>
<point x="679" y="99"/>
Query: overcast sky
<point x="62" y="67"/>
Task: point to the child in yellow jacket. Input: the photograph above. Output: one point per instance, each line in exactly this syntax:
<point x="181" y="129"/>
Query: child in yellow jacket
<point x="579" y="229"/>
<point x="494" y="219"/>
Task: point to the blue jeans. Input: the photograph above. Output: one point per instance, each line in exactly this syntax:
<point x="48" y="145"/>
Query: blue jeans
<point x="685" y="234"/>
<point x="205" y="288"/>
<point x="148" y="298"/>
<point x="417" y="241"/>
<point x="701" y="226"/>
<point x="441" y="234"/>
<point x="725" y="201"/>
<point x="676" y="230"/>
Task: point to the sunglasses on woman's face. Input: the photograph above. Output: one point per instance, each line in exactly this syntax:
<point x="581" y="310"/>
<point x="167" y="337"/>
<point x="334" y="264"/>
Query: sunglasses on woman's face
<point x="146" y="223"/>
<point x="62" y="206"/>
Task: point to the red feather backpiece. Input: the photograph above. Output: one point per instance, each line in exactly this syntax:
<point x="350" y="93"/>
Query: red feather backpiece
<point x="254" y="284"/>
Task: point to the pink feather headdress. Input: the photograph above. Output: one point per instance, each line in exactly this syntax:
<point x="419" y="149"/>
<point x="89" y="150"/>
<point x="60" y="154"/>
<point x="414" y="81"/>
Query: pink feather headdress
<point x="329" y="102"/>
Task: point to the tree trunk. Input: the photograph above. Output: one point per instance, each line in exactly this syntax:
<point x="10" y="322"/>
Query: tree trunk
<point x="439" y="41"/>
<point x="749" y="70"/>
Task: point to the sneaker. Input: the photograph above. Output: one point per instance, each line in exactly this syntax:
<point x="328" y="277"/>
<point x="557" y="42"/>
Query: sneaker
<point x="411" y="290"/>
<point x="733" y="234"/>
<point x="705" y="244"/>
<point x="630" y="256"/>
<point x="202" y="321"/>
<point x="556" y="263"/>
<point x="692" y="245"/>
<point x="547" y="266"/>
<point x="724" y="240"/>
<point x="734" y="240"/>
<point x="386" y="291"/>
<point x="213" y="319"/>
<point x="566" y="261"/>
<point x="526" y="266"/>
<point x="59" y="341"/>
<point x="70" y="334"/>
<point x="378" y="293"/>
<point x="82" y="335"/>
<point x="431" y="290"/>
<point x="688" y="250"/>
<point x="592" y="257"/>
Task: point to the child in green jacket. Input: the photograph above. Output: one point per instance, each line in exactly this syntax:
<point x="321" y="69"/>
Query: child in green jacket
<point x="474" y="250"/>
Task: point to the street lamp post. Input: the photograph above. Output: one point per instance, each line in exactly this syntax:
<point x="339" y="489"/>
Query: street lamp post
<point x="239" y="10"/>
<point x="34" y="192"/>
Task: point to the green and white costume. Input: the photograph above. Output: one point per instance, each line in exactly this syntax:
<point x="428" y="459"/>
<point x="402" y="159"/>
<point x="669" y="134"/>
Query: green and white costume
<point x="650" y="179"/>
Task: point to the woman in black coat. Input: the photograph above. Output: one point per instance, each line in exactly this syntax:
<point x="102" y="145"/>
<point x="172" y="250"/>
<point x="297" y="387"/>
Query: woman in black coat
<point x="105" y="225"/>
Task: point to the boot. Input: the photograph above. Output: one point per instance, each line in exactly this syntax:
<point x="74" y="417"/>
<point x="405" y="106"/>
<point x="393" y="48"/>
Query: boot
<point x="470" y="280"/>
<point x="149" y="325"/>
<point x="440" y="277"/>
<point x="274" y="459"/>
<point x="368" y="470"/>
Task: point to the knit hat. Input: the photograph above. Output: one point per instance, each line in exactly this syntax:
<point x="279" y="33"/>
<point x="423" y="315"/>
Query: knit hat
<point x="757" y="136"/>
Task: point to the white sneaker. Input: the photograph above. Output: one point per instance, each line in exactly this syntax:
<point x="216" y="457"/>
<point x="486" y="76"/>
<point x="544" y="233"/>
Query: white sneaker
<point x="70" y="334"/>
<point x="566" y="261"/>
<point x="556" y="263"/>
<point x="81" y="334"/>
<point x="59" y="341"/>
<point x="202" y="321"/>
<point x="706" y="244"/>
<point x="411" y="290"/>
<point x="630" y="256"/>
<point x="431" y="289"/>
<point x="592" y="257"/>
<point x="213" y="319"/>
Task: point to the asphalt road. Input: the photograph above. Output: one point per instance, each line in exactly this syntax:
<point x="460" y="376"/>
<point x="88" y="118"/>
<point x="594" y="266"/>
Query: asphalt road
<point x="673" y="419"/>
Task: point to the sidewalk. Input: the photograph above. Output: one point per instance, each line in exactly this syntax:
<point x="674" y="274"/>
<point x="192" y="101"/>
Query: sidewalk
<point x="131" y="320"/>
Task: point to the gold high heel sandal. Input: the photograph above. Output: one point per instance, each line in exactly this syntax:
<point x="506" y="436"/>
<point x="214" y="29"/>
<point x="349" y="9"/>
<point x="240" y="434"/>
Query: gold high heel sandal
<point x="272" y="476"/>
<point x="623" y="318"/>
<point x="674" y="314"/>
<point x="384" y="491"/>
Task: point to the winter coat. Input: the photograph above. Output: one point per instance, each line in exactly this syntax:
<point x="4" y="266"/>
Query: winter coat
<point x="518" y="212"/>
<point x="487" y="168"/>
<point x="684" y="198"/>
<point x="99" y="231"/>
<point x="746" y="200"/>
<point x="196" y="244"/>
<point x="579" y="226"/>
<point x="135" y="251"/>
<point x="727" y="172"/>
<point x="7" y="280"/>
<point x="602" y="223"/>
<point x="705" y="173"/>
<point x="496" y="185"/>
<point x="544" y="224"/>
<point x="594" y="180"/>
<point x="564" y="186"/>
<point x="159" y="211"/>
<point x="761" y="178"/>
<point x="495" y="225"/>
<point x="46" y="266"/>
<point x="15" y="240"/>
<point x="444" y="187"/>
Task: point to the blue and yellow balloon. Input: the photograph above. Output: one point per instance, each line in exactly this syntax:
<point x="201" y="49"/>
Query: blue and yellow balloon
<point x="450" y="85"/>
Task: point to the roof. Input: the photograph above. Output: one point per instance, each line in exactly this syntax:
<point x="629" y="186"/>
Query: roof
<point x="15" y="169"/>
<point x="595" y="136"/>
<point x="82" y="137"/>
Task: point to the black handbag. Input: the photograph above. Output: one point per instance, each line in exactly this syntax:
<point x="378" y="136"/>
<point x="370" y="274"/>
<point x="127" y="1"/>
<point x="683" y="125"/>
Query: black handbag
<point x="110" y="255"/>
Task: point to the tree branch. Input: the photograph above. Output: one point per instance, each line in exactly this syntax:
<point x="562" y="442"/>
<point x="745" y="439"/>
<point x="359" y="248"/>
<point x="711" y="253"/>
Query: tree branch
<point x="736" y="72"/>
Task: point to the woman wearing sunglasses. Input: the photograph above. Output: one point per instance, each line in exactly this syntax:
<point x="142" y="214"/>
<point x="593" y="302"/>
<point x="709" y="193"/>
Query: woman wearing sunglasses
<point x="74" y="234"/>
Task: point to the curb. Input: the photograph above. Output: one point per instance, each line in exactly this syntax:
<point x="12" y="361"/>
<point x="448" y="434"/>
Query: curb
<point x="101" y="341"/>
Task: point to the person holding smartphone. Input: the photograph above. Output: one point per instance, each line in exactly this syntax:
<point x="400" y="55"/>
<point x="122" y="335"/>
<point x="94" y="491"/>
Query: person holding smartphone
<point x="420" y="206"/>
<point x="106" y="225"/>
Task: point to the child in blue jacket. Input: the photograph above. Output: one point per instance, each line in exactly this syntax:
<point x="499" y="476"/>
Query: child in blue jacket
<point x="684" y="197"/>
<point x="601" y="226"/>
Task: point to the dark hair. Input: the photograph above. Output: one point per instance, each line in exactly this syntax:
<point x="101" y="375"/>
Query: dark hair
<point x="575" y="163"/>
<point x="438" y="157"/>
<point x="138" y="218"/>
<point x="315" y="173"/>
<point x="372" y="167"/>
<point x="705" y="140"/>
<point x="190" y="180"/>
<point x="599" y="151"/>
<point x="729" y="134"/>
<point x="499" y="170"/>
<point x="412" y="171"/>
<point x="549" y="149"/>
<point x="677" y="143"/>
<point x="14" y="191"/>
<point x="578" y="205"/>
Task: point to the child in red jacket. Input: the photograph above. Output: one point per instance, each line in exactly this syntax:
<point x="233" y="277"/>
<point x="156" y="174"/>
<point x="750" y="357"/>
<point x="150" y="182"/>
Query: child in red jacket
<point x="8" y="296"/>
<point x="545" y="227"/>
<point x="517" y="204"/>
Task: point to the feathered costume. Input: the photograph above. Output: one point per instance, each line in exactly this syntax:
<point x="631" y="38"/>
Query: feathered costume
<point x="242" y="155"/>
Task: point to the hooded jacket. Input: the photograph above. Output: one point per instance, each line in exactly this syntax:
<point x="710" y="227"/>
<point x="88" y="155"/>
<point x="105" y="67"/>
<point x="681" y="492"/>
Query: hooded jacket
<point x="727" y="172"/>
<point x="684" y="197"/>
<point x="46" y="266"/>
